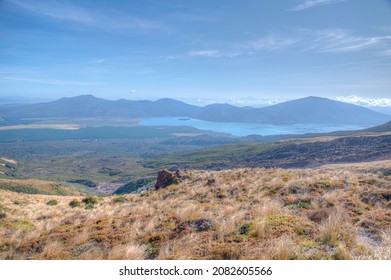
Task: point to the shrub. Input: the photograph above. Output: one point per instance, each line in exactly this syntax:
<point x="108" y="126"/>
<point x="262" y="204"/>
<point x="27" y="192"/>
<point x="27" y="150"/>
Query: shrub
<point x="89" y="206"/>
<point x="90" y="200"/>
<point x="3" y="215"/>
<point x="74" y="203"/>
<point x="118" y="199"/>
<point x="19" y="203"/>
<point x="52" y="202"/>
<point x="324" y="184"/>
<point x="152" y="250"/>
<point x="245" y="229"/>
<point x="224" y="252"/>
<point x="301" y="205"/>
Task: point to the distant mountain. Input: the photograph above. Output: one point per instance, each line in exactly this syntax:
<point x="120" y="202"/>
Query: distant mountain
<point x="90" y="106"/>
<point x="225" y="113"/>
<point x="323" y="110"/>
<point x="306" y="110"/>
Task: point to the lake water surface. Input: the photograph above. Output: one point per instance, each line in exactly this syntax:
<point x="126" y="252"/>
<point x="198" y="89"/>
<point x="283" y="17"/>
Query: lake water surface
<point x="244" y="129"/>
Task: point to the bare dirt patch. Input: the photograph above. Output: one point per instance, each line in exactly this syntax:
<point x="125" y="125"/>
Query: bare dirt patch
<point x="42" y="126"/>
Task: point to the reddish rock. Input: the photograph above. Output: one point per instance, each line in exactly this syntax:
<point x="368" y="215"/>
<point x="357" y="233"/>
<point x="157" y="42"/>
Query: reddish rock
<point x="165" y="178"/>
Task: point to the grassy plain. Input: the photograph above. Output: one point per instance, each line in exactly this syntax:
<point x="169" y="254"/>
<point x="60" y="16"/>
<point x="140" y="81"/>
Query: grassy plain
<point x="105" y="156"/>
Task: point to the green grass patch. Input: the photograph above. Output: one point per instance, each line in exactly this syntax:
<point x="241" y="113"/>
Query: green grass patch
<point x="300" y="205"/>
<point x="52" y="202"/>
<point x="135" y="185"/>
<point x="22" y="189"/>
<point x="245" y="229"/>
<point x="23" y="225"/>
<point x="118" y="199"/>
<point x="74" y="203"/>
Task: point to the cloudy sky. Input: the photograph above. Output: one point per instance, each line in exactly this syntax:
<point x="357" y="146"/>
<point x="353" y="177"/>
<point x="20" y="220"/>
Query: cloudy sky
<point x="242" y="52"/>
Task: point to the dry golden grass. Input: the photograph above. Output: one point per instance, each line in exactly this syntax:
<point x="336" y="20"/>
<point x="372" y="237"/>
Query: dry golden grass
<point x="334" y="212"/>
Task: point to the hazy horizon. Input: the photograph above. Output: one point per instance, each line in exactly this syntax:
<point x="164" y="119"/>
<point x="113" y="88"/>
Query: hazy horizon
<point x="378" y="105"/>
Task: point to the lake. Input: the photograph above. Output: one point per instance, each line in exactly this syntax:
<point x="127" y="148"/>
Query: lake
<point x="244" y="129"/>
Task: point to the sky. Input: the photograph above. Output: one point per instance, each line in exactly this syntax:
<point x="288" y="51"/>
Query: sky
<point x="248" y="52"/>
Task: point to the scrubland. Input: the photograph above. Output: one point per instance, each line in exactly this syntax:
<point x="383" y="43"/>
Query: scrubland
<point x="332" y="212"/>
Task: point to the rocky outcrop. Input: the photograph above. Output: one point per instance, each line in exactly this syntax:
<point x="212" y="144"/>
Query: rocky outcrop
<point x="166" y="178"/>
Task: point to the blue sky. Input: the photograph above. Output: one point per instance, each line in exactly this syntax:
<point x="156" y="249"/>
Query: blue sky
<point x="244" y="52"/>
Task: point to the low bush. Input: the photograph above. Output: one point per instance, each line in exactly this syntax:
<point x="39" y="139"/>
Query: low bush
<point x="90" y="200"/>
<point x="74" y="203"/>
<point x="118" y="199"/>
<point x="52" y="202"/>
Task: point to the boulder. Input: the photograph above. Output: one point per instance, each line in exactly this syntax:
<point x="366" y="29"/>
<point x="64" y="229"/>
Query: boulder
<point x="166" y="178"/>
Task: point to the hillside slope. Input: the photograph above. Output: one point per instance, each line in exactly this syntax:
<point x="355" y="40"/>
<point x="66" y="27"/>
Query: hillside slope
<point x="337" y="212"/>
<point x="35" y="186"/>
<point x="379" y="129"/>
<point x="288" y="153"/>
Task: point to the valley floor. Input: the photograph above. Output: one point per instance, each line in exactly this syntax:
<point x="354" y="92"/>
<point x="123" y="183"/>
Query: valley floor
<point x="332" y="212"/>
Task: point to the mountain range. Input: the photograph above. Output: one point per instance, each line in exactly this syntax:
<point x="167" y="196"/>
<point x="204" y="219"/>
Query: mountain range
<point x="305" y="110"/>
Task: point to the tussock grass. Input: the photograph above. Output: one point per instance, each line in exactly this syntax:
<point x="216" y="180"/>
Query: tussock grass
<point x="334" y="212"/>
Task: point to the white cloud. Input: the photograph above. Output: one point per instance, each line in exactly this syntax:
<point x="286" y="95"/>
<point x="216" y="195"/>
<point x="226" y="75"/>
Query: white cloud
<point x="205" y="53"/>
<point x="55" y="9"/>
<point x="213" y="53"/>
<point x="341" y="40"/>
<point x="252" y="101"/>
<point x="365" y="101"/>
<point x="272" y="43"/>
<point x="299" y="40"/>
<point x="239" y="101"/>
<point x="313" y="3"/>
<point x="65" y="11"/>
<point x="321" y="41"/>
<point x="98" y="61"/>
